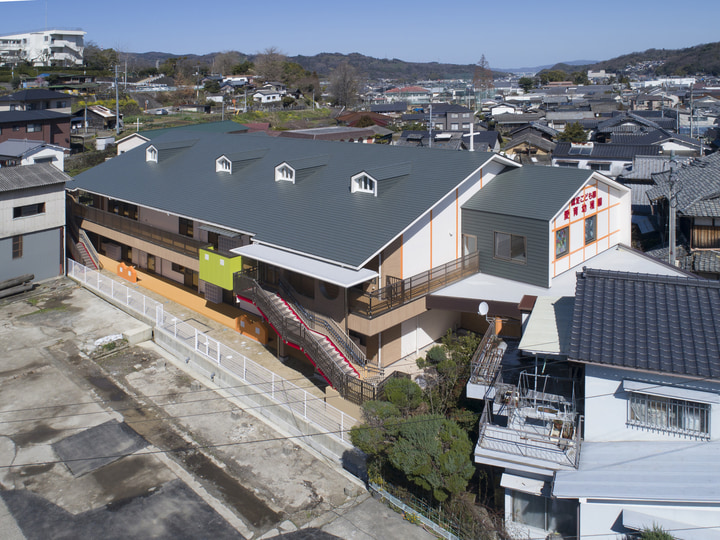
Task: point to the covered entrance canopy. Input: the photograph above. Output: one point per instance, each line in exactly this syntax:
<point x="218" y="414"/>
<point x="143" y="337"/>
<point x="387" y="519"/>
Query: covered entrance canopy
<point x="330" y="273"/>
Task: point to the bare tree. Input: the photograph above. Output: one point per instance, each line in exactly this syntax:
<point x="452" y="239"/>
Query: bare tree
<point x="483" y="77"/>
<point x="269" y="64"/>
<point x="344" y="84"/>
<point x="225" y="61"/>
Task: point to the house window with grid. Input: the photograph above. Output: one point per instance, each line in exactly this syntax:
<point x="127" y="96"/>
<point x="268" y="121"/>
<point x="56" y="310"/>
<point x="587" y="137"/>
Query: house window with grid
<point x="17" y="247"/>
<point x="590" y="229"/>
<point x="223" y="164"/>
<point x="676" y="416"/>
<point x="510" y="247"/>
<point x="34" y="128"/>
<point x="364" y="184"/>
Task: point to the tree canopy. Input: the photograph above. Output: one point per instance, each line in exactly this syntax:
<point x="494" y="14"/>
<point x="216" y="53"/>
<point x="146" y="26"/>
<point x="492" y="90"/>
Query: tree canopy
<point x="344" y="85"/>
<point x="573" y="132"/>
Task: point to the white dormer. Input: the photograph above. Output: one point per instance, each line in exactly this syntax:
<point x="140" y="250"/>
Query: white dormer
<point x="151" y="154"/>
<point x="284" y="173"/>
<point x="223" y="164"/>
<point x="363" y="183"/>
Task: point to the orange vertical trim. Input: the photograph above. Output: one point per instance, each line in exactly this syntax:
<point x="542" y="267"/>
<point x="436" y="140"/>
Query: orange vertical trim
<point x="402" y="243"/>
<point x="457" y="222"/>
<point x="481" y="178"/>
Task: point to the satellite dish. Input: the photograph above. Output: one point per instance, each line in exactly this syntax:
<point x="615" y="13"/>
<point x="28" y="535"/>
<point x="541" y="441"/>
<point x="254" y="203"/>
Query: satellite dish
<point x="483" y="309"/>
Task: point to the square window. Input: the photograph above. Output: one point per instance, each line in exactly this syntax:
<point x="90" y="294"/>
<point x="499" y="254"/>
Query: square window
<point x="510" y="247"/>
<point x="590" y="229"/>
<point x="562" y="242"/>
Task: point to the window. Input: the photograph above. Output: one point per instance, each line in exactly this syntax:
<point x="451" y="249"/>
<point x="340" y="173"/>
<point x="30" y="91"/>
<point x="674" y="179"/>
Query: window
<point x="469" y="242"/>
<point x="559" y="515"/>
<point x="34" y="128"/>
<point x="151" y="154"/>
<point x="61" y="104"/>
<point x="669" y="415"/>
<point x="28" y="210"/>
<point x="186" y="227"/>
<point x="510" y="247"/>
<point x="17" y="247"/>
<point x="453" y="115"/>
<point x="364" y="184"/>
<point x="223" y="164"/>
<point x="562" y="242"/>
<point x="600" y="166"/>
<point x="16" y="128"/>
<point x="590" y="229"/>
<point x="454" y="127"/>
<point x="571" y="164"/>
<point x="285" y="172"/>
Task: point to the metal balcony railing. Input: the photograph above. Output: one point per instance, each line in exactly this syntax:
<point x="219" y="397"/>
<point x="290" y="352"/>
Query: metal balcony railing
<point x="404" y="291"/>
<point x="173" y="241"/>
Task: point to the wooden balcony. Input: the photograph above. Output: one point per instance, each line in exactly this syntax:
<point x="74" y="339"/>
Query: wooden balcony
<point x="402" y="292"/>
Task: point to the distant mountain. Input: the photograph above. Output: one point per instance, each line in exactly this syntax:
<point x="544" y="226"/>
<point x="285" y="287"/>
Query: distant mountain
<point x="699" y="59"/>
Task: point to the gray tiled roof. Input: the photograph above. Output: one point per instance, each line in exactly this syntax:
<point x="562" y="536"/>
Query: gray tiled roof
<point x="34" y="94"/>
<point x="643" y="167"/>
<point x="30" y="176"/>
<point x="609" y="151"/>
<point x="616" y="121"/>
<point x="31" y="116"/>
<point x="317" y="216"/>
<point x="698" y="193"/>
<point x="532" y="140"/>
<point x="18" y="147"/>
<point x="654" y="136"/>
<point x="647" y="322"/>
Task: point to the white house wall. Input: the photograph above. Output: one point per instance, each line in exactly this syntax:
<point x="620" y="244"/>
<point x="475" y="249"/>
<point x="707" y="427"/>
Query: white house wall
<point x="425" y="329"/>
<point x="57" y="158"/>
<point x="435" y="239"/>
<point x="54" y="216"/>
<point x="611" y="205"/>
<point x="606" y="405"/>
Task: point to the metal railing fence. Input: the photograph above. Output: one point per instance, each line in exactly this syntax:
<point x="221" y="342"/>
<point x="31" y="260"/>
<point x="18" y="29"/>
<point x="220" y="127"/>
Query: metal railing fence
<point x="266" y="385"/>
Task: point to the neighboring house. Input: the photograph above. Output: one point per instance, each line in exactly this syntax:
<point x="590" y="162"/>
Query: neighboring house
<point x="610" y="159"/>
<point x="671" y="143"/>
<point x="264" y="97"/>
<point x="695" y="187"/>
<point x="32" y="221"/>
<point x="54" y="47"/>
<point x="97" y="117"/>
<point x="629" y="123"/>
<point x="651" y="405"/>
<point x="36" y="100"/>
<point x="557" y="120"/>
<point x="412" y="95"/>
<point x="14" y="152"/>
<point x="338" y="133"/>
<point x="505" y="123"/>
<point x="44" y="125"/>
<point x="638" y="177"/>
<point x="485" y="141"/>
<point x="274" y="86"/>
<point x="652" y="102"/>
<point x="394" y="110"/>
<point x="437" y="139"/>
<point x="573" y="424"/>
<point x="450" y="117"/>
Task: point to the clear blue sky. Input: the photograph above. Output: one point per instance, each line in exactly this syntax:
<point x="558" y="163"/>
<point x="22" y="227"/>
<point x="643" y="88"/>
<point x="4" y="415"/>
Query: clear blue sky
<point x="509" y="34"/>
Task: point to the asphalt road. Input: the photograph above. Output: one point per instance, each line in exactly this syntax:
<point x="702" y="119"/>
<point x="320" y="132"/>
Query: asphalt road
<point x="102" y="440"/>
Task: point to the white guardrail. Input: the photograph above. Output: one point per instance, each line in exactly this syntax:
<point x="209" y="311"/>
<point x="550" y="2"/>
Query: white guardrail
<point x="264" y="388"/>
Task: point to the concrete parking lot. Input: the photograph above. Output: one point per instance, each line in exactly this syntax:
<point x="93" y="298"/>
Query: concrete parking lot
<point x="102" y="439"/>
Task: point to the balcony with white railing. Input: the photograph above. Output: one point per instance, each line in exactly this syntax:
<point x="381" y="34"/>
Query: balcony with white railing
<point x="531" y="421"/>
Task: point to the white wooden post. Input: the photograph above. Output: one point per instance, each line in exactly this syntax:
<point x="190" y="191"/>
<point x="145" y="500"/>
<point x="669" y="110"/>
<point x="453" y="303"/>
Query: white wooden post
<point x="196" y="340"/>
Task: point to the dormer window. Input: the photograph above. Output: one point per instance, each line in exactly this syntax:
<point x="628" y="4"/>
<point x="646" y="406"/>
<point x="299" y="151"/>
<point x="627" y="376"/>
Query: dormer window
<point x="284" y="173"/>
<point x="151" y="154"/>
<point x="363" y="183"/>
<point x="223" y="164"/>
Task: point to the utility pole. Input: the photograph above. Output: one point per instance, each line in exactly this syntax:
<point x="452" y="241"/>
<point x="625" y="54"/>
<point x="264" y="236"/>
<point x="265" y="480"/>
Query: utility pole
<point x="672" y="210"/>
<point x="117" y="103"/>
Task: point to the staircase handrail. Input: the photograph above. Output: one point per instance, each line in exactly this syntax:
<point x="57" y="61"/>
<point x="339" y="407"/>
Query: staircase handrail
<point x="293" y="330"/>
<point x="325" y="326"/>
<point x="90" y="248"/>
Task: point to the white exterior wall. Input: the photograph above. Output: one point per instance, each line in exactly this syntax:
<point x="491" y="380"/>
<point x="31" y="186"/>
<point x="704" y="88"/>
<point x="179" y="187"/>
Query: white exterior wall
<point x="425" y="329"/>
<point x="611" y="203"/>
<point x="57" y="156"/>
<point x="606" y="405"/>
<point x="54" y="216"/>
<point x="161" y="220"/>
<point x="597" y="517"/>
<point x="435" y="239"/>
